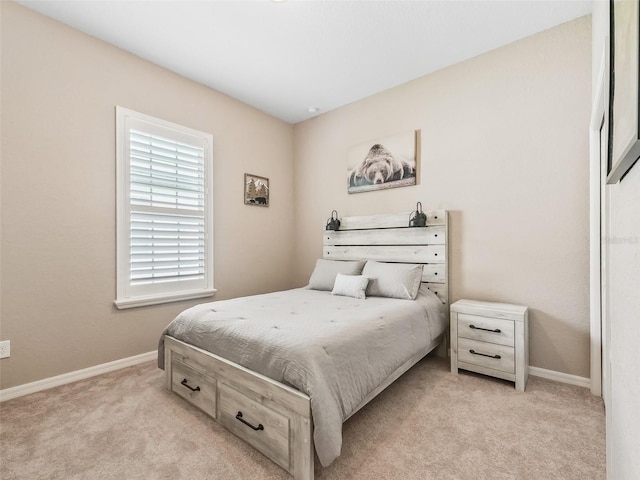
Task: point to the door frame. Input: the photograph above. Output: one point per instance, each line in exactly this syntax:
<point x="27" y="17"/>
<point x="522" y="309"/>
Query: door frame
<point x="599" y="358"/>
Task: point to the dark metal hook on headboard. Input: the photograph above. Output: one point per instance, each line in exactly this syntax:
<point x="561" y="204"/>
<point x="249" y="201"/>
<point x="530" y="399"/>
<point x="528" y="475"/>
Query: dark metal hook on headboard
<point x="418" y="218"/>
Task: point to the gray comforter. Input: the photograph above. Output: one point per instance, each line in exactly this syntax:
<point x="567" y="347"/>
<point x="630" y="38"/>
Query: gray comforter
<point x="335" y="349"/>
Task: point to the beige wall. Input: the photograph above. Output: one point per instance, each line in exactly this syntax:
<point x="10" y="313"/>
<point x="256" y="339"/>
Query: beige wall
<point x="621" y="207"/>
<point x="505" y="149"/>
<point x="59" y="89"/>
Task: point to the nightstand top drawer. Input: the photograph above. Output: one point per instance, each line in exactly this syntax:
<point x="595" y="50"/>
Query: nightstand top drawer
<point x="490" y="309"/>
<point x="486" y="329"/>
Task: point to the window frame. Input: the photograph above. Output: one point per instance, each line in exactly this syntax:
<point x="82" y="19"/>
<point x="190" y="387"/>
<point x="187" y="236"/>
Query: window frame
<point x="128" y="295"/>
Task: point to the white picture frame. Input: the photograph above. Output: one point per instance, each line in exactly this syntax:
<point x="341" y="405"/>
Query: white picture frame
<point x="624" y="120"/>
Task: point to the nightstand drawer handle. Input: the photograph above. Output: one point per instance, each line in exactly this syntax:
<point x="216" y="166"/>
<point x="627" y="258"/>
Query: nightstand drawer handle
<point x="495" y="330"/>
<point x="497" y="357"/>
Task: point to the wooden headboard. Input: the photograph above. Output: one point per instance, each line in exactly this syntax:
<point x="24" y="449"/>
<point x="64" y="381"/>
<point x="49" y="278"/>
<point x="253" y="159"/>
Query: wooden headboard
<point x="388" y="238"/>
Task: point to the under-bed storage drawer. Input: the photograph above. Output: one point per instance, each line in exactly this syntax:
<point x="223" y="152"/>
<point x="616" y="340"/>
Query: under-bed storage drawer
<point x="194" y="386"/>
<point x="257" y="424"/>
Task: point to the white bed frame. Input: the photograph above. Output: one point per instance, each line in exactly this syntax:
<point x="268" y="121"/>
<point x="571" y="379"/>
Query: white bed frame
<point x="285" y="432"/>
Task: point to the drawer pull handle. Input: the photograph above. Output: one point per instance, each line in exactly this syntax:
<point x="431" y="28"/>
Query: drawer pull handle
<point x="239" y="417"/>
<point x="497" y="357"/>
<point x="185" y="383"/>
<point x="495" y="330"/>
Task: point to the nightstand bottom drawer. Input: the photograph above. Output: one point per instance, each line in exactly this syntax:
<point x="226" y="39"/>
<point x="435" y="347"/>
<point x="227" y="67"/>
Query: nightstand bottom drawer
<point x="489" y="355"/>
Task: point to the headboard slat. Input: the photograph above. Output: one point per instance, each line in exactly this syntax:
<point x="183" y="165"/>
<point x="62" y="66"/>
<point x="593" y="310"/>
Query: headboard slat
<point x="434" y="273"/>
<point x="441" y="290"/>
<point x="387" y="236"/>
<point x="388" y="253"/>
<point x="394" y="220"/>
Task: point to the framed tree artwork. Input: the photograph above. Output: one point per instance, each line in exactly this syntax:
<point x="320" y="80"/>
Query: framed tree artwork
<point x="256" y="190"/>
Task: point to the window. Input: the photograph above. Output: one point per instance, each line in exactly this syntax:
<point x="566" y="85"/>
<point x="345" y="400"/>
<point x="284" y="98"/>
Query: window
<point x="164" y="211"/>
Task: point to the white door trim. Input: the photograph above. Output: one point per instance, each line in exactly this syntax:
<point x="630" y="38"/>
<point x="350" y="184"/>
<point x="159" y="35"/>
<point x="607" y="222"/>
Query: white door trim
<point x="599" y="115"/>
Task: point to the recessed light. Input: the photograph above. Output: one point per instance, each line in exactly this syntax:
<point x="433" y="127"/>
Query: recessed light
<point x="313" y="109"/>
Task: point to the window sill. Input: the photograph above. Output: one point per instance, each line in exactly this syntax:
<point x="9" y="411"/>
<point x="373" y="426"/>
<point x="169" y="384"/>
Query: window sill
<point x="159" y="299"/>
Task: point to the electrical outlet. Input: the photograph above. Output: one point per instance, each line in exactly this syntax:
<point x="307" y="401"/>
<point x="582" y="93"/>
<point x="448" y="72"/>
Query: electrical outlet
<point x="5" y="349"/>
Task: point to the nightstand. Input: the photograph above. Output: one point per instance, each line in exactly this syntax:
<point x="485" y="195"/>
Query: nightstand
<point x="492" y="339"/>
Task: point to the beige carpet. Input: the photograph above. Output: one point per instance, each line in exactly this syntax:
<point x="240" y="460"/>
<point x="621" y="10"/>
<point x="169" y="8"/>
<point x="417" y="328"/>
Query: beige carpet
<point x="429" y="424"/>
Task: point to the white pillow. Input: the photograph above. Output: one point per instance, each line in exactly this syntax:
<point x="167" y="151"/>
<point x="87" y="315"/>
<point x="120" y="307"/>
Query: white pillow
<point x="393" y="280"/>
<point x="325" y="271"/>
<point x="350" y="286"/>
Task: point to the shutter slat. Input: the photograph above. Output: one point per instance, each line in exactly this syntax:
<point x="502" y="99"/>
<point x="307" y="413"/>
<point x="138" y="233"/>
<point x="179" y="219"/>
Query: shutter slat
<point x="168" y="191"/>
<point x="166" y="164"/>
<point x="172" y="174"/>
<point x="170" y="181"/>
<point x="157" y="203"/>
<point x="160" y="228"/>
<point x="171" y="157"/>
<point x="169" y="263"/>
<point x="167" y="197"/>
<point x="153" y="217"/>
<point x="159" y="255"/>
<point x="164" y="154"/>
<point x="168" y="172"/>
<point x="145" y="138"/>
<point x="169" y="278"/>
<point x="165" y="143"/>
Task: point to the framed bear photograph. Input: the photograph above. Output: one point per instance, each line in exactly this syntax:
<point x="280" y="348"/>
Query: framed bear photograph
<point x="256" y="190"/>
<point x="383" y="163"/>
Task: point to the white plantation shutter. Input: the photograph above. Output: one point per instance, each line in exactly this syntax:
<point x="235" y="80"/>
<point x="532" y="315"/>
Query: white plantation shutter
<point x="166" y="178"/>
<point x="164" y="212"/>
<point x="166" y="248"/>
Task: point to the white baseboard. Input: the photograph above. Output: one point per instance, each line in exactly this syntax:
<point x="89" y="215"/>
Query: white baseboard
<point x="553" y="375"/>
<point x="560" y="377"/>
<point x="44" y="384"/>
<point x="27" y="388"/>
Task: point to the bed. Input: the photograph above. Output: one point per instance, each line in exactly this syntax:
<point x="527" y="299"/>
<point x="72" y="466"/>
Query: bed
<point x="284" y="370"/>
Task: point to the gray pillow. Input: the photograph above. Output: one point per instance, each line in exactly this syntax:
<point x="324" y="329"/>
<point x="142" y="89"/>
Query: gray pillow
<point x="393" y="280"/>
<point x="325" y="271"/>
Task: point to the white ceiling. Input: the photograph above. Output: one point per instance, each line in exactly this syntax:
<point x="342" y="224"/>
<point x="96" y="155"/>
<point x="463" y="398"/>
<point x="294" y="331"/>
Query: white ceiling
<point x="283" y="57"/>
